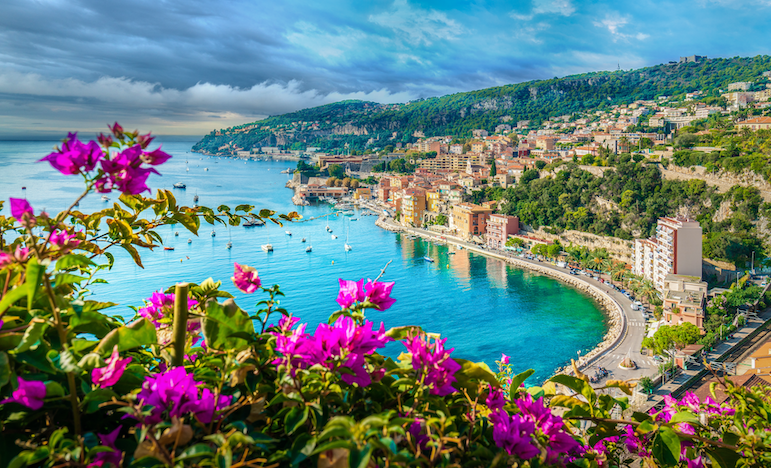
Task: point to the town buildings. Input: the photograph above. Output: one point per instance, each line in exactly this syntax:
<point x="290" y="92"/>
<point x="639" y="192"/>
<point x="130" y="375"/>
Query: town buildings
<point x="469" y="220"/>
<point x="675" y="249"/>
<point x="684" y="300"/>
<point x="498" y="229"/>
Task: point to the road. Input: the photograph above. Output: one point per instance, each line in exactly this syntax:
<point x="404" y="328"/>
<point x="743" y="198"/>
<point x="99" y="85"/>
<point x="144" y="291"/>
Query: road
<point x="610" y="359"/>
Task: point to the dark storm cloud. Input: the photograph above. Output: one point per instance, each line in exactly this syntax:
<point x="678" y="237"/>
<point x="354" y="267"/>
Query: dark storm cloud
<point x="187" y="66"/>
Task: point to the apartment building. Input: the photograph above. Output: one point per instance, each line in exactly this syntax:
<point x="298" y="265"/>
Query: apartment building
<point x="499" y="227"/>
<point x="684" y="300"/>
<point x="675" y="249"/>
<point x="470" y="220"/>
<point x="413" y="205"/>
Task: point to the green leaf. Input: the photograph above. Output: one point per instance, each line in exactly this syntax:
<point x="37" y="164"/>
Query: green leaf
<point x="197" y="450"/>
<point x="134" y="254"/>
<point x="359" y="458"/>
<point x="245" y="208"/>
<point x="12" y="296"/>
<point x="5" y="370"/>
<point x="684" y="416"/>
<point x="73" y="260"/>
<point x="40" y="357"/>
<point x="295" y="418"/>
<point x="222" y="322"/>
<point x="666" y="446"/>
<point x="471" y="372"/>
<point x="191" y="223"/>
<point x="32" y="336"/>
<point x="577" y="385"/>
<point x="400" y="333"/>
<point x="723" y="457"/>
<point x="519" y="379"/>
<point x="68" y="278"/>
<point x="35" y="273"/>
<point x="140" y="333"/>
<point x="53" y="389"/>
<point x="91" y="361"/>
<point x="68" y="362"/>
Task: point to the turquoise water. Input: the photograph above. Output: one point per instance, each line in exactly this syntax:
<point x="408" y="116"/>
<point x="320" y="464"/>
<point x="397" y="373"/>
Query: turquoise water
<point x="483" y="306"/>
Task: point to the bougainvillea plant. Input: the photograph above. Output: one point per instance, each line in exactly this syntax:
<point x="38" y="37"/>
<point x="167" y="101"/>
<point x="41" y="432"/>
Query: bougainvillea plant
<point x="194" y="379"/>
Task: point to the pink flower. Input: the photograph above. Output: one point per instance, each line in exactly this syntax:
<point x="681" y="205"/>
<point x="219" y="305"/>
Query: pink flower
<point x="20" y="255"/>
<point x="245" y="278"/>
<point x="104" y="140"/>
<point x="145" y="140"/>
<point x="514" y="434"/>
<point x="109" y="375"/>
<point x="125" y="172"/>
<point x="154" y="157"/>
<point x="21" y="207"/>
<point x="435" y="361"/>
<point x="116" y="130"/>
<point x="29" y="393"/>
<point x="64" y="241"/>
<point x="504" y="359"/>
<point x="205" y="408"/>
<point x="350" y="292"/>
<point x="160" y="306"/>
<point x="495" y="398"/>
<point x="379" y="294"/>
<point x="108" y="458"/>
<point x="75" y="157"/>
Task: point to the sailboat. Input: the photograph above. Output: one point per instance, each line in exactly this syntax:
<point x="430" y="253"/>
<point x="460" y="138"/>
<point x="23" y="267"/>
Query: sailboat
<point x="230" y="240"/>
<point x="213" y="233"/>
<point x="308" y="249"/>
<point x="347" y="246"/>
<point x="195" y="198"/>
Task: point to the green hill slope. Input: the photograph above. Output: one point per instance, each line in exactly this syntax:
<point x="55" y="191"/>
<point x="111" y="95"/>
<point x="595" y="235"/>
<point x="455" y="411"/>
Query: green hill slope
<point x="356" y="122"/>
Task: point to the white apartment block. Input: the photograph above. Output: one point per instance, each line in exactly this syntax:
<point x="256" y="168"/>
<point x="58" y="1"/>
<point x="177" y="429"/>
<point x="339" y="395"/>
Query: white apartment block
<point x="675" y="249"/>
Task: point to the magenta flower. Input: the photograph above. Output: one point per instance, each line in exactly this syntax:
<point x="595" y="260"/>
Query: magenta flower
<point x="514" y="434"/>
<point x="379" y="294"/>
<point x="116" y="130"/>
<point x="434" y="360"/>
<point x="160" y="306"/>
<point x="125" y="172"/>
<point x="154" y="157"/>
<point x="64" y="241"/>
<point x="350" y="292"/>
<point x="504" y="359"/>
<point x="205" y="407"/>
<point x="29" y="393"/>
<point x="246" y="279"/>
<point x="21" y="207"/>
<point x="1" y="324"/>
<point x="170" y="391"/>
<point x="287" y="322"/>
<point x="20" y="255"/>
<point x="109" y="375"/>
<point x="104" y="140"/>
<point x="75" y="157"/>
<point x="416" y="430"/>
<point x="108" y="458"/>
<point x="495" y="398"/>
<point x="691" y="401"/>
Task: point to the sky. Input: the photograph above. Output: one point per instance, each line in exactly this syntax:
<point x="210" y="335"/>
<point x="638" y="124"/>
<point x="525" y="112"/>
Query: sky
<point x="186" y="67"/>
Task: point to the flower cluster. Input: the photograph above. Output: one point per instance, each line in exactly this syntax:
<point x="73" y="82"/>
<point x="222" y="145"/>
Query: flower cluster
<point x="29" y="393"/>
<point x="160" y="306"/>
<point x="431" y="358"/>
<point x="177" y="393"/>
<point x="245" y="278"/>
<point x="375" y="293"/>
<point x="109" y="375"/>
<point x="64" y="241"/>
<point x="343" y="344"/>
<point x="19" y="255"/>
<point x="123" y="171"/>
<point x="518" y="434"/>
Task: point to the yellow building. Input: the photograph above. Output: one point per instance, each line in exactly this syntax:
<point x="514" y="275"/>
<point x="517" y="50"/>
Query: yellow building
<point x="413" y="205"/>
<point x="433" y="199"/>
<point x="362" y="193"/>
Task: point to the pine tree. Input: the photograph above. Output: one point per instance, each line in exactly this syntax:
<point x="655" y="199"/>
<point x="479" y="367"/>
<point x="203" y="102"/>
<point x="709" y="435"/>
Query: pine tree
<point x="493" y="170"/>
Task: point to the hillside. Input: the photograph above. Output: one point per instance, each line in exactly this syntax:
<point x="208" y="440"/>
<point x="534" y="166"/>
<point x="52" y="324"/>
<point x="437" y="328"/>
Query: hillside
<point x="331" y="126"/>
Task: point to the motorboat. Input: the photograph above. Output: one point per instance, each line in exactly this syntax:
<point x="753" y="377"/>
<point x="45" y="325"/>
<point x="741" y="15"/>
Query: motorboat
<point x="303" y="240"/>
<point x="334" y="237"/>
<point x="230" y="245"/>
<point x="267" y="247"/>
<point x="309" y="249"/>
<point x="180" y="185"/>
<point x="288" y="233"/>
<point x="428" y="259"/>
<point x="213" y="233"/>
<point x="176" y="233"/>
<point x="189" y="241"/>
<point x="105" y="198"/>
<point x="195" y="198"/>
<point x="168" y="248"/>
<point x="348" y="248"/>
<point x="253" y="222"/>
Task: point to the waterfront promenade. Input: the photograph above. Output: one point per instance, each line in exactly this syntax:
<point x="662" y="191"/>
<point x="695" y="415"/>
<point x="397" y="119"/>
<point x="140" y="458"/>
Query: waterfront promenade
<point x="627" y="327"/>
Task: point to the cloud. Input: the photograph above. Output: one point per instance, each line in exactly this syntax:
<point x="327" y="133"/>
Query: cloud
<point x="614" y="23"/>
<point x="542" y="7"/>
<point x="194" y="110"/>
<point x="330" y="45"/>
<point x="418" y="25"/>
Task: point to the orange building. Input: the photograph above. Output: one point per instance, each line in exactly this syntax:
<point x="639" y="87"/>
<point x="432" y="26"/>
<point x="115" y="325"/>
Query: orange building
<point x="470" y="220"/>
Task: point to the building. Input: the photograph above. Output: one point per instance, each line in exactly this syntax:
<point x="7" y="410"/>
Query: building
<point x="693" y="58"/>
<point x="362" y="193"/>
<point x="413" y="206"/>
<point x="675" y="249"/>
<point x="684" y="300"/>
<point x="740" y="86"/>
<point x="758" y="123"/>
<point x="499" y="227"/>
<point x="470" y="220"/>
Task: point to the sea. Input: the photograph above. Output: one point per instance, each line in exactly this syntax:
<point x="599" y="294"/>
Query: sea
<point x="483" y="306"/>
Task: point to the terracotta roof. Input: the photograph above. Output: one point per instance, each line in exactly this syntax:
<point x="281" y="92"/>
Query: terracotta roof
<point x="746" y="380"/>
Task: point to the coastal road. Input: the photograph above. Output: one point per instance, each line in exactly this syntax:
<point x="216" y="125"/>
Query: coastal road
<point x="610" y="359"/>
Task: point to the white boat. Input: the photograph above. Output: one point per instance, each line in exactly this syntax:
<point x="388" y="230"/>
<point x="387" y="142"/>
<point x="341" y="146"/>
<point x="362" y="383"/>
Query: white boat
<point x="267" y="247"/>
<point x="213" y="233"/>
<point x="180" y="185"/>
<point x="334" y="237"/>
<point x="205" y="168"/>
<point x="328" y="230"/>
<point x="303" y="240"/>
<point x="288" y="233"/>
<point x="189" y="241"/>
<point x="195" y="198"/>
<point x="348" y="248"/>
<point x="105" y="198"/>
<point x="309" y="249"/>
<point x="176" y="234"/>
<point x="230" y="245"/>
<point x="428" y="259"/>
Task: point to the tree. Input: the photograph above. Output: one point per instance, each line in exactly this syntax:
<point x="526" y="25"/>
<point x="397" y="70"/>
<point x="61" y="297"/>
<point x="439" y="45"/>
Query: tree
<point x="528" y="175"/>
<point x="514" y="242"/>
<point x="355" y="184"/>
<point x="493" y="170"/>
<point x="336" y="171"/>
<point x="442" y="220"/>
<point x="540" y="164"/>
<point x="514" y="139"/>
<point x="331" y="181"/>
<point x="553" y="250"/>
<point x="466" y="148"/>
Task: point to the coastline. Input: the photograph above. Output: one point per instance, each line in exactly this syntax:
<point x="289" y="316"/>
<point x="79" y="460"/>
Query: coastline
<point x="613" y="311"/>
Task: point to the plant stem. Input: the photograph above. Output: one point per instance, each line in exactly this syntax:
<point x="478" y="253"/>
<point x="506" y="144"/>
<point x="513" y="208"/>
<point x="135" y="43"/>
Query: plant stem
<point x="179" y="332"/>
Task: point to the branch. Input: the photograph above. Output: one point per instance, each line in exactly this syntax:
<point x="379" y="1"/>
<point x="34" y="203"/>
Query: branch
<point x="382" y="271"/>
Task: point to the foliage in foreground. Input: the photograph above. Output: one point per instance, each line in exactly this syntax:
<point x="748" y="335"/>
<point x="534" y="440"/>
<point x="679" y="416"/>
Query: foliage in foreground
<point x="195" y="380"/>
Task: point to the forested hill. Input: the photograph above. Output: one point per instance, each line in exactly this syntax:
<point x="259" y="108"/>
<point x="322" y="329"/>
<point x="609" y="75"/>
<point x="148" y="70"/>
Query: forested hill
<point x="356" y="122"/>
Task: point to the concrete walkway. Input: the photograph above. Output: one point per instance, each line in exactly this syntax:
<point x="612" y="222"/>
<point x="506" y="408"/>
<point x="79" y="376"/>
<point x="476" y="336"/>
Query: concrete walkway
<point x="632" y="332"/>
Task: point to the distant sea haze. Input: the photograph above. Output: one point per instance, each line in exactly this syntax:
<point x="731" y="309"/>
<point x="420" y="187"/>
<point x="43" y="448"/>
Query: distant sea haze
<point x="483" y="306"/>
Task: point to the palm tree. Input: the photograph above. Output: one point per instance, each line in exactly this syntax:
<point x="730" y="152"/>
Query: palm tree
<point x="648" y="292"/>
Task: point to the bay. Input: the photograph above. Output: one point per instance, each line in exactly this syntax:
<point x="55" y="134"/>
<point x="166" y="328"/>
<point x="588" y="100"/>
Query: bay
<point x="483" y="306"/>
